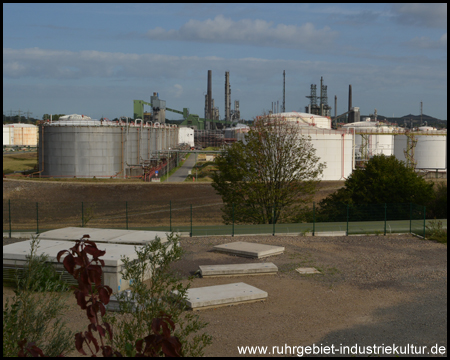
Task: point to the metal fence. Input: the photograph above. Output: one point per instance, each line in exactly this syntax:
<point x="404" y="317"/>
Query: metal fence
<point x="203" y="219"/>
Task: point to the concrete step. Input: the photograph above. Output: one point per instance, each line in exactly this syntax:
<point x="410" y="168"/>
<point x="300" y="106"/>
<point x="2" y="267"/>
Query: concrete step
<point x="308" y="270"/>
<point x="251" y="250"/>
<point x="223" y="295"/>
<point x="15" y="256"/>
<point x="238" y="269"/>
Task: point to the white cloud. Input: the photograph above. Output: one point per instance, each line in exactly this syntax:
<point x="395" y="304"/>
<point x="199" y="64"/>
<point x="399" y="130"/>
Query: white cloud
<point x="424" y="42"/>
<point x="248" y="32"/>
<point x="249" y="74"/>
<point x="178" y="91"/>
<point x="425" y="14"/>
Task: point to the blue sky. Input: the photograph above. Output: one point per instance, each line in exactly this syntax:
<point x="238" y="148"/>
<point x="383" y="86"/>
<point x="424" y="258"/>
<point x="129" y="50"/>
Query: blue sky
<point x="95" y="59"/>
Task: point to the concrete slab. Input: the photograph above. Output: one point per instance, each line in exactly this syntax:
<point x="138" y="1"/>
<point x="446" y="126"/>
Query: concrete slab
<point x="14" y="256"/>
<point x="223" y="295"/>
<point x="247" y="249"/>
<point x="136" y="237"/>
<point x="309" y="270"/>
<point x="238" y="269"/>
<point x="330" y="233"/>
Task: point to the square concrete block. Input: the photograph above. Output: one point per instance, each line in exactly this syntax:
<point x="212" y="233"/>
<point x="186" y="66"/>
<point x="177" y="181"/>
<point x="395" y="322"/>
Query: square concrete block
<point x="14" y="256"/>
<point x="309" y="270"/>
<point x="222" y="295"/>
<point x="116" y="236"/>
<point x="238" y="269"/>
<point x="247" y="249"/>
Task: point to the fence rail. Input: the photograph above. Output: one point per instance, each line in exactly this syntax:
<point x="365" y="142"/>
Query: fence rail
<point x="204" y="219"/>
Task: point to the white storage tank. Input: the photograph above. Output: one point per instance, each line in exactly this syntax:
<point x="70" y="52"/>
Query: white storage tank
<point x="333" y="147"/>
<point x="377" y="138"/>
<point x="8" y="135"/>
<point x="20" y="134"/>
<point x="430" y="152"/>
<point x="186" y="136"/>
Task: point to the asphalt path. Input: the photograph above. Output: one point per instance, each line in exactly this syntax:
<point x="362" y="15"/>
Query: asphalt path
<point x="181" y="174"/>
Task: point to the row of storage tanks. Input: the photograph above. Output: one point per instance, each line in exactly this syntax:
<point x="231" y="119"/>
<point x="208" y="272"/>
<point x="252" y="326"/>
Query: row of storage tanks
<point x="82" y="147"/>
<point x="78" y="146"/>
<point x="342" y="148"/>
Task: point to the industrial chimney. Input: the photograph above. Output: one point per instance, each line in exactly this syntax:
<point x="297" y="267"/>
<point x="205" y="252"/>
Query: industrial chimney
<point x="227" y="96"/>
<point x="349" y="97"/>
<point x="209" y="95"/>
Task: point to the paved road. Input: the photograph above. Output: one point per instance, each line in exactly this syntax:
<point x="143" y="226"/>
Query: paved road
<point x="182" y="173"/>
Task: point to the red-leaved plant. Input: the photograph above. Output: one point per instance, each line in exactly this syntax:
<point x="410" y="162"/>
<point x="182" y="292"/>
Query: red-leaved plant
<point x="92" y="296"/>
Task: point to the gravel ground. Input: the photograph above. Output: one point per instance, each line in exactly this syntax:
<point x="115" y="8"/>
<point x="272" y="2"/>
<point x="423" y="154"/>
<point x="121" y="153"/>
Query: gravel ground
<point x="372" y="290"/>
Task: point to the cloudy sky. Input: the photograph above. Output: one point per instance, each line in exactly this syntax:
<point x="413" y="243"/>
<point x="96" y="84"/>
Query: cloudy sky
<point x="95" y="59"/>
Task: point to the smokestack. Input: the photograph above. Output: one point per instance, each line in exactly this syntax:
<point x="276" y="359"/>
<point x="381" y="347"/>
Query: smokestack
<point x="227" y="96"/>
<point x="335" y="105"/>
<point x="209" y="95"/>
<point x="349" y="97"/>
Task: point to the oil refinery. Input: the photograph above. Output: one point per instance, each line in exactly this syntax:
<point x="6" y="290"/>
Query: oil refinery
<point x="78" y="146"/>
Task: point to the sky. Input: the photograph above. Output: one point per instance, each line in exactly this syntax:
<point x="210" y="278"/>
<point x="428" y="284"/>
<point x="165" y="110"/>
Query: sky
<point x="95" y="59"/>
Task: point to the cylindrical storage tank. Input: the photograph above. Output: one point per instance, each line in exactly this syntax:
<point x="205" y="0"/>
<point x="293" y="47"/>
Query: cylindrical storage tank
<point x="430" y="152"/>
<point x="333" y="147"/>
<point x="8" y="135"/>
<point x="376" y="139"/>
<point x="81" y="151"/>
<point x="20" y="134"/>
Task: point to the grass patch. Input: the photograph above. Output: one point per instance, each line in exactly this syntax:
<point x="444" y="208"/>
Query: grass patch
<point x="172" y="171"/>
<point x="203" y="171"/>
<point x="19" y="162"/>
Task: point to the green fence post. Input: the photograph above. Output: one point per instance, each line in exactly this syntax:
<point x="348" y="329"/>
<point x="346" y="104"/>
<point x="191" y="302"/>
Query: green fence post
<point x="410" y="218"/>
<point x="347" y="219"/>
<point x="126" y="212"/>
<point x="424" y="215"/>
<point x="170" y="214"/>
<point x="314" y="218"/>
<point x="82" y="214"/>
<point x="9" y="209"/>
<point x="37" y="218"/>
<point x="191" y="222"/>
<point x="385" y="216"/>
<point x="232" y="227"/>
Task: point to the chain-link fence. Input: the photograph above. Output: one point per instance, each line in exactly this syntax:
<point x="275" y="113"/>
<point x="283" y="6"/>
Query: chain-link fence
<point x="211" y="219"/>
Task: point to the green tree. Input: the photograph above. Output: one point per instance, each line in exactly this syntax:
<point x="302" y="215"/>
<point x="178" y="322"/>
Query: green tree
<point x="270" y="177"/>
<point x="384" y="180"/>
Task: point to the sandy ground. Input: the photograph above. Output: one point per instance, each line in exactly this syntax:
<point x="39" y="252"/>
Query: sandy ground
<point x="373" y="290"/>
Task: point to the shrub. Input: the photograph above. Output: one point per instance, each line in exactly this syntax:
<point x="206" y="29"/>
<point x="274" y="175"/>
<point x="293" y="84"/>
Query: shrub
<point x="36" y="316"/>
<point x="159" y="341"/>
<point x="163" y="293"/>
<point x="435" y="231"/>
<point x="384" y="180"/>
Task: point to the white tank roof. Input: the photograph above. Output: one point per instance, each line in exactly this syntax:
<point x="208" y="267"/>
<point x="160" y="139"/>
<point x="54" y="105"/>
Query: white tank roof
<point x="426" y="128"/>
<point x="367" y="124"/>
<point x="19" y="125"/>
<point x="74" y="117"/>
<point x="305" y="119"/>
